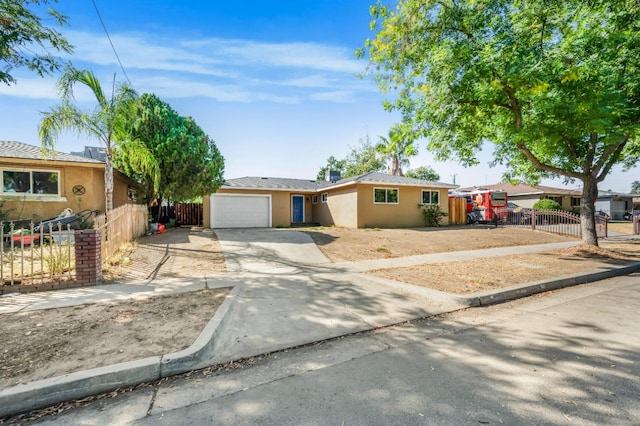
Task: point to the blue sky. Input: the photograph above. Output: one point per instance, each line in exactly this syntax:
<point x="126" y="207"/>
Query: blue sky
<point x="273" y="83"/>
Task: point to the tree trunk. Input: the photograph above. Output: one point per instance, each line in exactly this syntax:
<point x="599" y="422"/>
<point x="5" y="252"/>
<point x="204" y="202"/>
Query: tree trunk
<point x="108" y="182"/>
<point x="587" y="211"/>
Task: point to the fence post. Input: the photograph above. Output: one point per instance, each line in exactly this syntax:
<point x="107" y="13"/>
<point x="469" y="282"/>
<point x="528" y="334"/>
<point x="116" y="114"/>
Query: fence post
<point x="636" y="224"/>
<point x="88" y="248"/>
<point x="533" y="219"/>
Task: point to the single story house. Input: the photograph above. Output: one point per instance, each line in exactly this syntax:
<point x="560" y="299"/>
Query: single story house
<point x="368" y="200"/>
<point x="615" y="204"/>
<point x="35" y="185"/>
<point x="526" y="196"/>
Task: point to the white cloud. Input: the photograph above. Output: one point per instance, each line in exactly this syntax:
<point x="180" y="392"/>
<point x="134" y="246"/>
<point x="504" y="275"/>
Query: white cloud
<point x="227" y="70"/>
<point x="175" y="88"/>
<point x="31" y="88"/>
<point x="338" y="96"/>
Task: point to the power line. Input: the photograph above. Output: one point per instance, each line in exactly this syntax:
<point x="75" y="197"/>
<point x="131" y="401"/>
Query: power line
<point x="110" y="42"/>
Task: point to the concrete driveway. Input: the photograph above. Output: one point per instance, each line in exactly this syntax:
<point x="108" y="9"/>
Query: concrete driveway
<point x="268" y="250"/>
<point x="288" y="294"/>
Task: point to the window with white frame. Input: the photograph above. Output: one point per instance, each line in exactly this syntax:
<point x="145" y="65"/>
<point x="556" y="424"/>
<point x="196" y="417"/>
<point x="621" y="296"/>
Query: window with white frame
<point x="37" y="182"/>
<point x="314" y="199"/>
<point x="385" y="195"/>
<point x="430" y="197"/>
<point x="325" y="195"/>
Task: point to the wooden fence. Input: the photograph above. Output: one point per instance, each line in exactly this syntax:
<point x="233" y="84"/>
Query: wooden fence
<point x="457" y="211"/>
<point x="124" y="224"/>
<point x="183" y="213"/>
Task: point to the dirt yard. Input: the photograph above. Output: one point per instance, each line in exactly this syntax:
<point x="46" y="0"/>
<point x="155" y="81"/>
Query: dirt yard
<point x="47" y="343"/>
<point x="478" y="275"/>
<point x="341" y="244"/>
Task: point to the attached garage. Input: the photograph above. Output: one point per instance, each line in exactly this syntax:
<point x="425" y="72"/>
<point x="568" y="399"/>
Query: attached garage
<point x="240" y="211"/>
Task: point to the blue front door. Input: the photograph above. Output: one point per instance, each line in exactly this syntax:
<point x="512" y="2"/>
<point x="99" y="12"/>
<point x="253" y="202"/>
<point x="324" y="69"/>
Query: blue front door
<point x="297" y="207"/>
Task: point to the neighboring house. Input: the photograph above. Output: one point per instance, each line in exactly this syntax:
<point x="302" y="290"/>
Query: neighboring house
<point x="96" y="152"/>
<point x="615" y="204"/>
<point x="526" y="196"/>
<point x="369" y="200"/>
<point x="36" y="185"/>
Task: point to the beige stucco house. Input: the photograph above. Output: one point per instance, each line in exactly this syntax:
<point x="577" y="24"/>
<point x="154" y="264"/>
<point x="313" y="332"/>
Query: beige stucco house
<point x="36" y="185"/>
<point x="369" y="200"/>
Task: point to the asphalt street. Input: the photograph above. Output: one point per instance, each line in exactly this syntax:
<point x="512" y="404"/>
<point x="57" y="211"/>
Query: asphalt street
<point x="570" y="356"/>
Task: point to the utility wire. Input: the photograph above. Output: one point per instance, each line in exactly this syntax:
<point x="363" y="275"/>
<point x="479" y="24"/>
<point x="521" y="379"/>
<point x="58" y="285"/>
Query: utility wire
<point x="110" y="42"/>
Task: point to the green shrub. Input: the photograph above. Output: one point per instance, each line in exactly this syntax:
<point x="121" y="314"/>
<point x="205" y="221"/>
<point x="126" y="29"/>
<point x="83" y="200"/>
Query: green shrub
<point x="432" y="215"/>
<point x="546" y="204"/>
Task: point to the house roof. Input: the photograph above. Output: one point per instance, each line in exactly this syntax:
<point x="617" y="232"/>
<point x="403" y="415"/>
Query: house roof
<point x="271" y="183"/>
<point x="284" y="184"/>
<point x="13" y="149"/>
<point x="613" y="194"/>
<point x="96" y="152"/>
<point x="386" y="179"/>
<point x="523" y="189"/>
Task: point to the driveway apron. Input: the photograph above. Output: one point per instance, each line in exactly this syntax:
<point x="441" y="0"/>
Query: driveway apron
<point x="289" y="294"/>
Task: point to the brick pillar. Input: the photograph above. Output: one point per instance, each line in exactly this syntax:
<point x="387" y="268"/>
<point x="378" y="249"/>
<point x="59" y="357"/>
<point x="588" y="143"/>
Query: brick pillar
<point x="88" y="246"/>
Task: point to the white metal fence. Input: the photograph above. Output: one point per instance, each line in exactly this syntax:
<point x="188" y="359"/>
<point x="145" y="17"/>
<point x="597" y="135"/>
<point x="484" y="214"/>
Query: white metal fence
<point x="42" y="254"/>
<point x="36" y="254"/>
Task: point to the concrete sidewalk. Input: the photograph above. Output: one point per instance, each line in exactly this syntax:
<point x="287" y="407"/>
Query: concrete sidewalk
<point x="286" y="293"/>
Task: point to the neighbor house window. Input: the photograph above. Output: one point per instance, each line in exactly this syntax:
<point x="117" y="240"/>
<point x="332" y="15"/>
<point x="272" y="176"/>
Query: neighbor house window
<point x="575" y="201"/>
<point x="324" y="197"/>
<point x="314" y="199"/>
<point x="30" y="182"/>
<point x="385" y="195"/>
<point x="556" y="199"/>
<point x="430" y="197"/>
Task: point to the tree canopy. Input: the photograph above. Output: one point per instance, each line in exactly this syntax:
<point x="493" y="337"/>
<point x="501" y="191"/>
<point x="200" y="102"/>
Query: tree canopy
<point x="26" y="42"/>
<point x="424" y="173"/>
<point x="100" y="123"/>
<point x="362" y="159"/>
<point x="635" y="187"/>
<point x="396" y="150"/>
<point x="189" y="163"/>
<point x="553" y="85"/>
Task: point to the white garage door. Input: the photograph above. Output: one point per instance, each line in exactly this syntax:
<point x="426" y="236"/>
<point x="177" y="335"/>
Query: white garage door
<point x="240" y="211"/>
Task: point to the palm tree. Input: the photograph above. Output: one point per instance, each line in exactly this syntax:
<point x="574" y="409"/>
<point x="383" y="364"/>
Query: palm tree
<point x="396" y="149"/>
<point x="99" y="123"/>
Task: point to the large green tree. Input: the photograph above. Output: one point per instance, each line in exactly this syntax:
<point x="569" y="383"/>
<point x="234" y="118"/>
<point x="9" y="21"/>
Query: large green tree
<point x="424" y="173"/>
<point x="333" y="164"/>
<point x="363" y="158"/>
<point x="635" y="187"/>
<point x="396" y="150"/>
<point x="26" y="42"/>
<point x="553" y="84"/>
<point x="99" y="123"/>
<point x="188" y="162"/>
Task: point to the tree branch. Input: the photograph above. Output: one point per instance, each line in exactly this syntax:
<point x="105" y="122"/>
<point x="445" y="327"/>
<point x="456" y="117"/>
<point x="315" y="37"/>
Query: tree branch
<point x="572" y="147"/>
<point x="542" y="166"/>
<point x="609" y="159"/>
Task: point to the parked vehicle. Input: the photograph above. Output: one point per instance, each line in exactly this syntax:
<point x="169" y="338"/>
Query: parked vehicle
<point x="631" y="214"/>
<point x="484" y="205"/>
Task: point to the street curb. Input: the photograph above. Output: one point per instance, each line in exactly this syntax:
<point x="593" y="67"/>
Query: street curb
<point x="43" y="393"/>
<point x="524" y="290"/>
<point x="80" y="384"/>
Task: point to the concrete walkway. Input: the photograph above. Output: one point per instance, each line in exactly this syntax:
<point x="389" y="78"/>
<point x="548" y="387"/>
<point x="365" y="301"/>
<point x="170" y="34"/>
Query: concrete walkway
<point x="286" y="293"/>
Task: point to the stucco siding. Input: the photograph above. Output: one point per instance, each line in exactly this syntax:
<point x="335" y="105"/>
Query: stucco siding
<point x="340" y="208"/>
<point x="38" y="207"/>
<point x="404" y="214"/>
